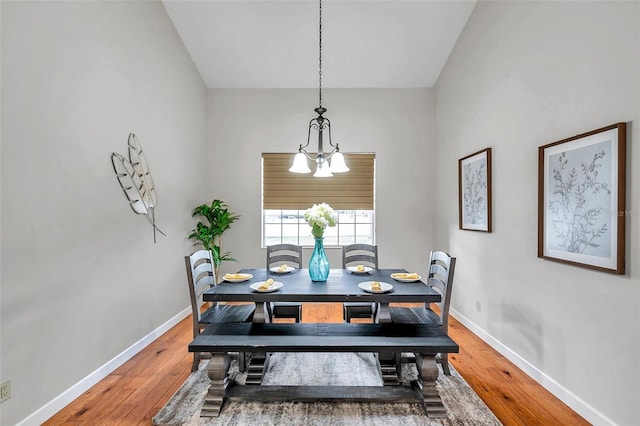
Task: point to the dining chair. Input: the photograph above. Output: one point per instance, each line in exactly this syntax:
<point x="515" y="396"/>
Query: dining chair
<point x="201" y="277"/>
<point x="440" y="278"/>
<point x="291" y="255"/>
<point x="366" y="255"/>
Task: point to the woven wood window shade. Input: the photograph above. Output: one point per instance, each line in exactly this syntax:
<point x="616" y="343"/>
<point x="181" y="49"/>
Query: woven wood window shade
<point x="283" y="190"/>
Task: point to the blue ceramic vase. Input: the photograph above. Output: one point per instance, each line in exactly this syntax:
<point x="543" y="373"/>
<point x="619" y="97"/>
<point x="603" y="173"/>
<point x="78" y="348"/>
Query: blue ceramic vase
<point x="319" y="263"/>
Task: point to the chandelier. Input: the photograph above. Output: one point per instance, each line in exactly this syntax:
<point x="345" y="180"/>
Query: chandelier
<point x="321" y="125"/>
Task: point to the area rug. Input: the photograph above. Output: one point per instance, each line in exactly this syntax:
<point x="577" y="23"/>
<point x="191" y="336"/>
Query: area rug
<point x="463" y="405"/>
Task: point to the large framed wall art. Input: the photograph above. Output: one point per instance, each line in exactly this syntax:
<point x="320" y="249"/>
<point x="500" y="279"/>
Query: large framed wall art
<point x="581" y="199"/>
<point x="474" y="191"/>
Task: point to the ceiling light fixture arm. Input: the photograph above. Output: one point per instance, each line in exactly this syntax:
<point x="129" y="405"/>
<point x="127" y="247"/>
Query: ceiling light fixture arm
<point x="319" y="124"/>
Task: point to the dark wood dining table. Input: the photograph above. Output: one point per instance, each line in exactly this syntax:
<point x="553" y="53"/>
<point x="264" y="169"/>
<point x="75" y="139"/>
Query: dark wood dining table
<point x="385" y="338"/>
<point x="341" y="286"/>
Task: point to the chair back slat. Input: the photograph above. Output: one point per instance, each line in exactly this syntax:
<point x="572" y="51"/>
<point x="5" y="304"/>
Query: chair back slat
<point x="438" y="285"/>
<point x="441" y="269"/>
<point x="200" y="277"/>
<point x="203" y="275"/>
<point x="279" y="254"/>
<point x="440" y="257"/>
<point x="362" y="254"/>
<point x="439" y="273"/>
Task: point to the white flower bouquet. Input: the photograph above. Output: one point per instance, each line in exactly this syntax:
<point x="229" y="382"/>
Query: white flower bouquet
<point x="319" y="217"/>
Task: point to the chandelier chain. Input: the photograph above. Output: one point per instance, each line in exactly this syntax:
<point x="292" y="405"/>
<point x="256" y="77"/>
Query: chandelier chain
<point x="321" y="125"/>
<point x="320" y="59"/>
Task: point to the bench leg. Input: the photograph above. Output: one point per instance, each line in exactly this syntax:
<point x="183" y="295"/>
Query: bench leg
<point x="428" y="369"/>
<point x="217" y="370"/>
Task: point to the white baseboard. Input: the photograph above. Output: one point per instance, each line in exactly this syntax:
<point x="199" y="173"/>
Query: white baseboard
<point x="65" y="398"/>
<point x="52" y="407"/>
<point x="590" y="414"/>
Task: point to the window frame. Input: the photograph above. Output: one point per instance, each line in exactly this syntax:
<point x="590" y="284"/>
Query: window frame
<point x="307" y="240"/>
<point x="363" y="173"/>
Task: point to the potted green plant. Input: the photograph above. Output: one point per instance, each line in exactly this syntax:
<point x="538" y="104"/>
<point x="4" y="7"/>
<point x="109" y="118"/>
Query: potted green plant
<point x="209" y="232"/>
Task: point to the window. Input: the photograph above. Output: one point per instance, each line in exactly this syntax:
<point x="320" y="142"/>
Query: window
<point x="287" y="195"/>
<point x="289" y="226"/>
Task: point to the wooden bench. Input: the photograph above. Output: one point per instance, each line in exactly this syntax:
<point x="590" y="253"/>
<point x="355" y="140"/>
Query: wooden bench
<point x="219" y="339"/>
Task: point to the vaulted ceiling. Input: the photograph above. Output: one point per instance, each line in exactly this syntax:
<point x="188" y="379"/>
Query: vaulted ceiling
<point x="274" y="43"/>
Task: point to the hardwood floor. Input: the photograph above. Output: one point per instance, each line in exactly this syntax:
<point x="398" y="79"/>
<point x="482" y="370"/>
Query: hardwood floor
<point x="136" y="391"/>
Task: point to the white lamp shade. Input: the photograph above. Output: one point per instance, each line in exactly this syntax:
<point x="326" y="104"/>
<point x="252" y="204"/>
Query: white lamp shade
<point x="337" y="163"/>
<point x="323" y="170"/>
<point x="300" y="164"/>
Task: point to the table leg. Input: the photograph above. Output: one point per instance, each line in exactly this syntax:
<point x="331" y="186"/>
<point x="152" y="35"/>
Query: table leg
<point x="384" y="314"/>
<point x="428" y="370"/>
<point x="389" y="365"/>
<point x="259" y="360"/>
<point x="260" y="314"/>
<point x="217" y="369"/>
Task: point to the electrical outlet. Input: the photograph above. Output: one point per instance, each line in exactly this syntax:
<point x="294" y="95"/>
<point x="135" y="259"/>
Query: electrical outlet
<point x="478" y="306"/>
<point x="5" y="391"/>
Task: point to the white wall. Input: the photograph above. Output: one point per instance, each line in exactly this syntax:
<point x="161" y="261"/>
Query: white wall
<point x="82" y="279"/>
<point x="524" y="74"/>
<point x="78" y="77"/>
<point x="395" y="124"/>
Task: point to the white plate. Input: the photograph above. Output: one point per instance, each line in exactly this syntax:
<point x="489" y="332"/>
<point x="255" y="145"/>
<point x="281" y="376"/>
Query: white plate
<point x="354" y="270"/>
<point x="398" y="277"/>
<point x="384" y="287"/>
<point x="273" y="287"/>
<point x="276" y="270"/>
<point x="245" y="277"/>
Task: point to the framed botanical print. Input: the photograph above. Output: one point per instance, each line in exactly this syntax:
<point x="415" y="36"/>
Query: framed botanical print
<point x="474" y="191"/>
<point x="581" y="199"/>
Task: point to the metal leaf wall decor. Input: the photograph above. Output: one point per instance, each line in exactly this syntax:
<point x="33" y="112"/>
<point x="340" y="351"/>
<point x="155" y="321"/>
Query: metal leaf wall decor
<point x="135" y="180"/>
